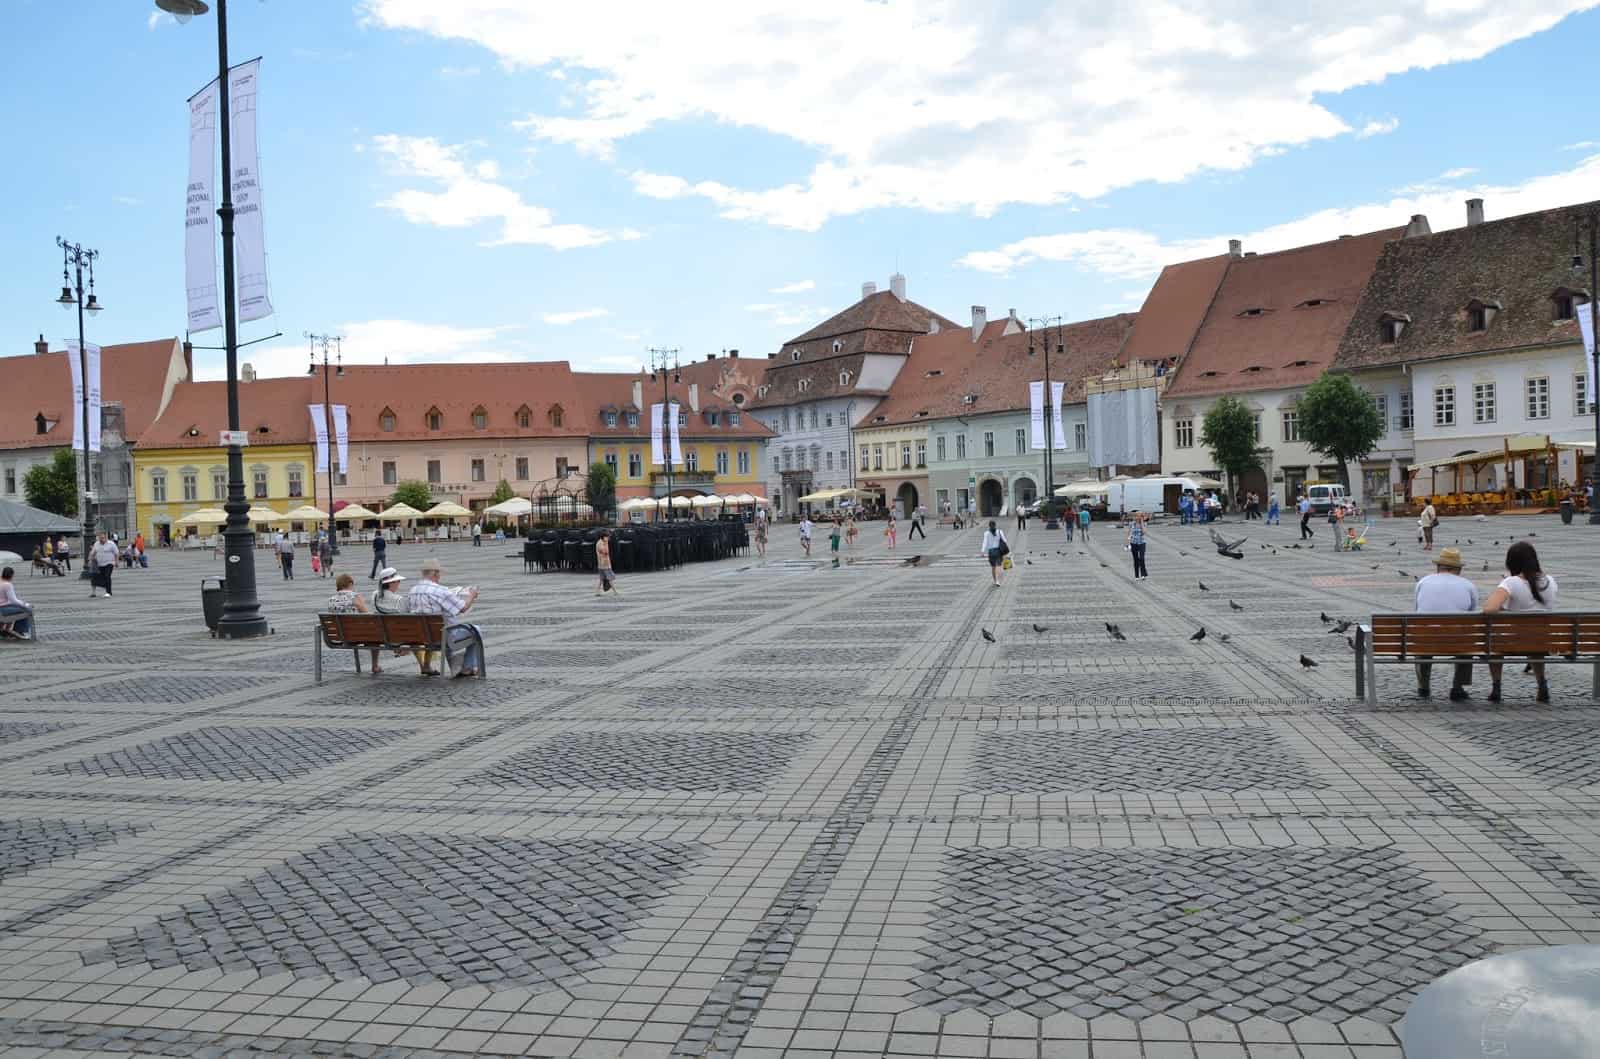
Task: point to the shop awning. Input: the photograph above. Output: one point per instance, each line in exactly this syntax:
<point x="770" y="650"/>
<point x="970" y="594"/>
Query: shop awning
<point x="822" y="496"/>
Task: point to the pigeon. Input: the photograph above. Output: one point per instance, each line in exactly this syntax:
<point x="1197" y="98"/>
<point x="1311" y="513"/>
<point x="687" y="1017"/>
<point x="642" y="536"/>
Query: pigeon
<point x="1203" y="587"/>
<point x="1224" y="637"/>
<point x="1183" y="553"/>
<point x="1404" y="574"/>
<point x="1307" y="663"/>
<point x="1234" y="606"/>
<point x="1341" y="626"/>
<point x="1393" y="543"/>
<point x="1028" y="561"/>
<point x="1311" y="547"/>
<point x="1201" y="635"/>
<point x="1486" y="566"/>
<point x="1115" y="631"/>
<point x="1351" y="640"/>
<point x="1105" y="566"/>
<point x="987" y="635"/>
<point x="1325" y="619"/>
<point x="1375" y="566"/>
<point x="1533" y="534"/>
<point x="914" y="560"/>
<point x="1469" y="540"/>
<point x="1040" y="628"/>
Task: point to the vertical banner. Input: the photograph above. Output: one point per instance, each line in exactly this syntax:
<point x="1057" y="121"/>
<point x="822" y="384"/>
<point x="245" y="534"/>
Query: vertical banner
<point x="341" y="435"/>
<point x="93" y="359"/>
<point x="1036" y="412"/>
<point x="199" y="231"/>
<point x="1586" y="325"/>
<point x="657" y="456"/>
<point x="1060" y="440"/>
<point x="677" y="449"/>
<point x="319" y="429"/>
<point x="249" y="245"/>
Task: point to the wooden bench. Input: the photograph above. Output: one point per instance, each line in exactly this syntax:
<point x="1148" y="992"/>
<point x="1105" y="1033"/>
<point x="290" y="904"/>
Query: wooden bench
<point x="1448" y="639"/>
<point x="384" y="632"/>
<point x="9" y="620"/>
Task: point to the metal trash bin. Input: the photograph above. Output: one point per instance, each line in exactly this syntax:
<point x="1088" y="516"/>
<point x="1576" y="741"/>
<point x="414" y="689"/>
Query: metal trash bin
<point x="1566" y="512"/>
<point x="213" y="593"/>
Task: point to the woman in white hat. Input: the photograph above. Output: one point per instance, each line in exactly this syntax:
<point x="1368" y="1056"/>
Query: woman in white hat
<point x="388" y="599"/>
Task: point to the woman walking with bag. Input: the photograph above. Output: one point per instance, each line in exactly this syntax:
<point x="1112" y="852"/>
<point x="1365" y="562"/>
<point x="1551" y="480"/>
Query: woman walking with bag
<point x="995" y="548"/>
<point x="1136" y="545"/>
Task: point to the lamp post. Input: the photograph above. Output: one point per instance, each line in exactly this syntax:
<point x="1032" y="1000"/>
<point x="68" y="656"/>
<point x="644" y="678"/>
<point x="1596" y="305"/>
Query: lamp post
<point x="664" y="362"/>
<point x="1045" y="323"/>
<point x="241" y="609"/>
<point x="327" y="412"/>
<point x="1591" y="220"/>
<point x="76" y="256"/>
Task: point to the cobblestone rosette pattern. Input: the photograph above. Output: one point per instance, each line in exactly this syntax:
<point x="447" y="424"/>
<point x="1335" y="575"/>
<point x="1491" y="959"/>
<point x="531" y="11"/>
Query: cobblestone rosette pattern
<point x="160" y="690"/>
<point x="1280" y="932"/>
<point x="16" y="731"/>
<point x="497" y="912"/>
<point x="1234" y="758"/>
<point x="704" y="761"/>
<point x="1563" y="753"/>
<point x="1111" y="684"/>
<point x="235" y="753"/>
<point x="29" y="844"/>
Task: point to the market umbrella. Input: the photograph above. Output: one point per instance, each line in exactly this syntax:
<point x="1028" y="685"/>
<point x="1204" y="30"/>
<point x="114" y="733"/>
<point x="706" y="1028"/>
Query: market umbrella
<point x="709" y="500"/>
<point x="353" y="511"/>
<point x="396" y="512"/>
<point x="1088" y="487"/>
<point x="204" y="516"/>
<point x="516" y="507"/>
<point x="447" y="509"/>
<point x="638" y="503"/>
<point x="303" y="513"/>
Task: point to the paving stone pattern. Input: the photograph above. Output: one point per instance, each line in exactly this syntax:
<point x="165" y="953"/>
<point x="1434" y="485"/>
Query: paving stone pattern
<point x="423" y="908"/>
<point x="1562" y="753"/>
<point x="1283" y="933"/>
<point x="165" y="689"/>
<point x="15" y="731"/>
<point x="1219" y="759"/>
<point x="708" y="761"/>
<point x="226" y="752"/>
<point x="29" y="844"/>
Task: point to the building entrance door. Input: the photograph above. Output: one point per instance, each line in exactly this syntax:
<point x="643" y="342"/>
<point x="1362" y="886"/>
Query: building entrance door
<point x="990" y="498"/>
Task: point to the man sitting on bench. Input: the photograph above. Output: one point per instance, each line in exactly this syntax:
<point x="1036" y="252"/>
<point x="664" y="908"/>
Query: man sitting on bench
<point x="428" y="596"/>
<point x="1446" y="592"/>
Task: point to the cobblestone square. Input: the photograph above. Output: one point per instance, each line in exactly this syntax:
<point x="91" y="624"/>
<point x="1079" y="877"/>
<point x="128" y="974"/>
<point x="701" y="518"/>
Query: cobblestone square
<point x="781" y="808"/>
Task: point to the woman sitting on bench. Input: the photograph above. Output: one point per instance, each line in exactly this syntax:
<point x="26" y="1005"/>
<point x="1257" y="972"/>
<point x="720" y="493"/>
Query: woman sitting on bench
<point x="41" y="561"/>
<point x="16" y="614"/>
<point x="346" y="600"/>
<point x="1527" y="588"/>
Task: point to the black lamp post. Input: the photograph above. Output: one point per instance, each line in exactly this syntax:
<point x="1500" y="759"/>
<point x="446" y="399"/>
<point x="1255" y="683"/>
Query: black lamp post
<point x="664" y="362"/>
<point x="1045" y="324"/>
<point x="76" y="257"/>
<point x="327" y="413"/>
<point x="241" y="609"/>
<point x="1591" y="221"/>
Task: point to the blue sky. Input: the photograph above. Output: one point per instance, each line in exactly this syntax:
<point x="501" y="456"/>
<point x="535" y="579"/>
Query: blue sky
<point x="492" y="179"/>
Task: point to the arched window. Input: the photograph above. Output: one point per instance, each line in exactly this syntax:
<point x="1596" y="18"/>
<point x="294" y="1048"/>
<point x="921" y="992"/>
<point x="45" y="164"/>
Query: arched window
<point x="386" y="420"/>
<point x="555" y="415"/>
<point x="524" y="417"/>
<point x="435" y="418"/>
<point x="844" y="378"/>
<point x="480" y="418"/>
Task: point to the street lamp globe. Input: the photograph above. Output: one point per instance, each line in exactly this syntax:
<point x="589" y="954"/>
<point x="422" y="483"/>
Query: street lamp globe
<point x="92" y="306"/>
<point x="183" y="10"/>
<point x="66" y="301"/>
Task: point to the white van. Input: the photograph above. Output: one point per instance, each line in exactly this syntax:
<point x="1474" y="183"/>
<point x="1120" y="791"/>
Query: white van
<point x="1325" y="496"/>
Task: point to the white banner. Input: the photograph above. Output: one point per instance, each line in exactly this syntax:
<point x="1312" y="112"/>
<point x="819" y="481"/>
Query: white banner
<point x="677" y="449"/>
<point x="93" y="358"/>
<point x="249" y="246"/>
<point x="1584" y="313"/>
<point x="341" y="435"/>
<point x="200" y="213"/>
<point x="1036" y="412"/>
<point x="657" y="456"/>
<point x="1122" y="428"/>
<point x="1059" y="441"/>
<point x="319" y="429"/>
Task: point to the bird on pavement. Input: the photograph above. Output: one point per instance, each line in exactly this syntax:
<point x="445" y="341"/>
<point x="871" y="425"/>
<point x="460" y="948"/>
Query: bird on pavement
<point x="1404" y="574"/>
<point x="1040" y="628"/>
<point x="1224" y="637"/>
<point x="1115" y="631"/>
<point x="1234" y="606"/>
<point x="1341" y="626"/>
<point x="1203" y="587"/>
<point x="1351" y="640"/>
<point x="1307" y="663"/>
<point x="1201" y="635"/>
<point x="987" y="635"/>
<point x="1325" y="618"/>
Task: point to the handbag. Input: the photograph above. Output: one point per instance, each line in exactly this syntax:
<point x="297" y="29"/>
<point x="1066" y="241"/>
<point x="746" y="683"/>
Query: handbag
<point x="1005" y="564"/>
<point x="1005" y="548"/>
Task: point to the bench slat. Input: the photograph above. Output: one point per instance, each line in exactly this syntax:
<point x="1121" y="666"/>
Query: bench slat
<point x="1403" y="636"/>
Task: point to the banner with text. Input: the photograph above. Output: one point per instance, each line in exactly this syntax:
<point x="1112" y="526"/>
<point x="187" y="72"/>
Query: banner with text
<point x="1585" y="317"/>
<point x="1060" y="439"/>
<point x="249" y="245"/>
<point x="319" y="429"/>
<point x="341" y="435"/>
<point x="677" y="449"/>
<point x="657" y="453"/>
<point x="1036" y="412"/>
<point x="93" y="358"/>
<point x="199" y="231"/>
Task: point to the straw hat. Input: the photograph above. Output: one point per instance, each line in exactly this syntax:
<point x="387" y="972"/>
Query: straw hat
<point x="1449" y="558"/>
<point x="389" y="575"/>
<point x="430" y="566"/>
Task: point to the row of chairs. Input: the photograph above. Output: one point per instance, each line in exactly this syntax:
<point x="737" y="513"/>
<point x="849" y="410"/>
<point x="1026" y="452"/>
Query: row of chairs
<point x="635" y="548"/>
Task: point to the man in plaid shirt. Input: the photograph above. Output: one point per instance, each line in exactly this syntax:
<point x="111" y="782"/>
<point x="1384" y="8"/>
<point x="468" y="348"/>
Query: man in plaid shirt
<point x="428" y="596"/>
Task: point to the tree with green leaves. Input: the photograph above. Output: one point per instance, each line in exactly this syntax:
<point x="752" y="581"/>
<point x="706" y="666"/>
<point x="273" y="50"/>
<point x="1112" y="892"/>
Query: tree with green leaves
<point x="1229" y="432"/>
<point x="502" y="493"/>
<point x="1340" y="420"/>
<point x="600" y="488"/>
<point x="414" y="493"/>
<point x="53" y="486"/>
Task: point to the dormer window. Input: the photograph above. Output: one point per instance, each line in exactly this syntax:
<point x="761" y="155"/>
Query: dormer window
<point x="435" y="419"/>
<point x="194" y="432"/>
<point x="1252" y="369"/>
<point x="633" y="419"/>
<point x="803" y="385"/>
<point x="794" y="354"/>
<point x="41" y="425"/>
<point x="525" y="417"/>
<point x="933" y="373"/>
<point x="1391" y="326"/>
<point x="1564" y="303"/>
<point x="970" y="398"/>
<point x="844" y="378"/>
<point x="480" y="418"/>
<point x="1209" y="374"/>
<point x="761" y="391"/>
<point x="1312" y="303"/>
<point x="1299" y="364"/>
<point x="713" y="418"/>
<point x="880" y="419"/>
<point x="557" y="415"/>
<point x="386" y="420"/>
<point x="837" y="345"/>
<point x="922" y="413"/>
<point x="733" y="419"/>
<point x="1255" y="311"/>
<point x="1480" y="314"/>
<point x="611" y="418"/>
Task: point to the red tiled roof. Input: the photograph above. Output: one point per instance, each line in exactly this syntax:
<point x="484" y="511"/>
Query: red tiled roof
<point x="995" y="370"/>
<point x="883" y="311"/>
<point x="132" y="373"/>
<point x="1175" y="308"/>
<point x="601" y="391"/>
<point x="1277" y="319"/>
<point x="501" y="390"/>
<point x="273" y="411"/>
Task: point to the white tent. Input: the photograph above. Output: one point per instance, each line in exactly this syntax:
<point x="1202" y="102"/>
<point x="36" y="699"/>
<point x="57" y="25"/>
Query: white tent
<point x="516" y="507"/>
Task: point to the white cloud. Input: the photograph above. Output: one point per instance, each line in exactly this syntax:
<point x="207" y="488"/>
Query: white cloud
<point x="788" y="315"/>
<point x="1582" y="145"/>
<point x="157" y="18"/>
<point x="381" y="341"/>
<point x="796" y="287"/>
<point x="574" y="316"/>
<point x="459" y="71"/>
<point x="471" y="197"/>
<point x="1457" y="174"/>
<point x="1127" y="253"/>
<point x="1379" y="127"/>
<point x="1025" y="102"/>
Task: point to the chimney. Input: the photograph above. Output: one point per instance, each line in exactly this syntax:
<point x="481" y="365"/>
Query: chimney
<point x="711" y="356"/>
<point x="980" y="317"/>
<point x="733" y="354"/>
<point x="188" y="361"/>
<point x="868" y="289"/>
<point x="1249" y="253"/>
<point x="694" y="397"/>
<point x="933" y="325"/>
<point x="247" y="372"/>
<point x="638" y="393"/>
<point x="1235" y="248"/>
<point x="41" y="346"/>
<point x="897" y="284"/>
<point x="1417" y="227"/>
<point x="1474" y="212"/>
<point x="772" y="356"/>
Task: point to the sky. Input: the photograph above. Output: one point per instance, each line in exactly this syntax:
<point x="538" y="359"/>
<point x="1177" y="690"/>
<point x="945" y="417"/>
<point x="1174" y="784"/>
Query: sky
<point x="526" y="179"/>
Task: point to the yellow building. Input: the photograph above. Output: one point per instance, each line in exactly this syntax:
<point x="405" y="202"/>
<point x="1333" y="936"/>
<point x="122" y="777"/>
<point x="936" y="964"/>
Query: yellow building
<point x="892" y="460"/>
<point x="179" y="467"/>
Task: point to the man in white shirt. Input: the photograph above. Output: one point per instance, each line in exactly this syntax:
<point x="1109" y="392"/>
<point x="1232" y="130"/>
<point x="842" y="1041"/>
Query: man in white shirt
<point x="1446" y="592"/>
<point x="805" y="534"/>
<point x="428" y="596"/>
<point x="102" y="560"/>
